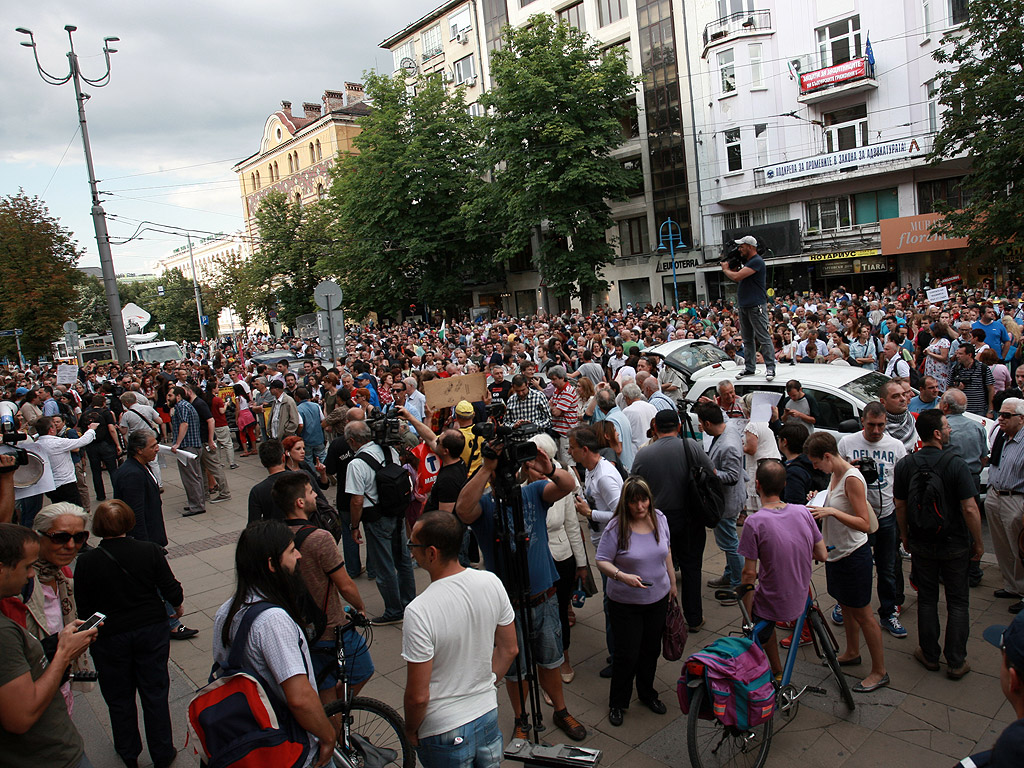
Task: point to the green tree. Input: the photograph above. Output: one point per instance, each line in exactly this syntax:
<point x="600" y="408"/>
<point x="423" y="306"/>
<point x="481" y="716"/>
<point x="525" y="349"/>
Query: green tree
<point x="176" y="309"/>
<point x="37" y="274"/>
<point x="236" y="283"/>
<point x="292" y="238"/>
<point x="402" y="204"/>
<point x="554" y="117"/>
<point x="90" y="307"/>
<point x="980" y="88"/>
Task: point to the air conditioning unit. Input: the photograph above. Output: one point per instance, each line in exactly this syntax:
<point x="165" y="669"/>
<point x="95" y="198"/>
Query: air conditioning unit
<point x="462" y="37"/>
<point x="802" y="64"/>
<point x="470" y="81"/>
<point x="446" y="76"/>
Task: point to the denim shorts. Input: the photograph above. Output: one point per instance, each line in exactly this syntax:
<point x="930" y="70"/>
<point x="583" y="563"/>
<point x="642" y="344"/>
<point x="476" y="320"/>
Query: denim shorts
<point x="357" y="661"/>
<point x="547" y="645"/>
<point x="477" y="744"/>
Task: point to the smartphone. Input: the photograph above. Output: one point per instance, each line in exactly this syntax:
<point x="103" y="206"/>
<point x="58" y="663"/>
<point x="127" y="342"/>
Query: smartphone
<point x="646" y="583"/>
<point x="93" y="621"/>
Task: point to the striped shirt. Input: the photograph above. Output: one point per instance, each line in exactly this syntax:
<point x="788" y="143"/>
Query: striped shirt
<point x="569" y="403"/>
<point x="1008" y="474"/>
<point x="976" y="380"/>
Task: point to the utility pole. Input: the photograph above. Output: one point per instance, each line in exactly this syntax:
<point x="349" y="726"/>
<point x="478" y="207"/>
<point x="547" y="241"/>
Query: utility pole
<point x="99" y="216"/>
<point x="195" y="285"/>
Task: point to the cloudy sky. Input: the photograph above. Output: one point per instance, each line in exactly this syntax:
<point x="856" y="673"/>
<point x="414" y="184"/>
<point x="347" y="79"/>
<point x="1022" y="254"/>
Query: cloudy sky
<point x="192" y="85"/>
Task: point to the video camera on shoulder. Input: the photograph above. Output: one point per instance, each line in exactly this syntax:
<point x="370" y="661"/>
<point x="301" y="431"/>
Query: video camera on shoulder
<point x="386" y="429"/>
<point x="518" y="449"/>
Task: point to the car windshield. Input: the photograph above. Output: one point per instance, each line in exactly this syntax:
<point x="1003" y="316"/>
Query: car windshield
<point x="161" y="354"/>
<point x="866" y="388"/>
<point x="700" y="354"/>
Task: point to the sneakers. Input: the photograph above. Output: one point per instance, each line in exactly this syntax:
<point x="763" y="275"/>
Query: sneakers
<point x="721" y="581"/>
<point x="892" y="624"/>
<point x="386" y="621"/>
<point x="522" y="729"/>
<point x="725" y="596"/>
<point x="770" y="376"/>
<point x="805" y="638"/>
<point x="837" y="615"/>
<point x="903" y="553"/>
<point x="572" y="727"/>
<point x="220" y="497"/>
<point x="744" y="374"/>
<point x="181" y="632"/>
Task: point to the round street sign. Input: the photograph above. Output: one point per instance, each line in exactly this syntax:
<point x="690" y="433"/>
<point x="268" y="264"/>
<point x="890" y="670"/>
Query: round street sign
<point x="70" y="326"/>
<point x="327" y="295"/>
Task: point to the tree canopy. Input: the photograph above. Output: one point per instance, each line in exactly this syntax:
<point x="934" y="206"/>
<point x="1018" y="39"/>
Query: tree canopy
<point x="38" y="277"/>
<point x="982" y="93"/>
<point x="554" y="117"/>
<point x="402" y="203"/>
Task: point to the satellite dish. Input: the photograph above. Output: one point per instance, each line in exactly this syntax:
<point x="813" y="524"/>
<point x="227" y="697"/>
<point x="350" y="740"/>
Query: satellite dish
<point x="134" y="317"/>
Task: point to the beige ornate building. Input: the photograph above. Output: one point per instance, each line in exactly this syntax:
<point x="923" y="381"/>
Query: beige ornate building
<point x="297" y="150"/>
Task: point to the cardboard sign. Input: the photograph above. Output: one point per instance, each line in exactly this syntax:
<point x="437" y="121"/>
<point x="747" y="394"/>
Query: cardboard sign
<point x="444" y="393"/>
<point x="937" y="295"/>
<point x="67" y="374"/>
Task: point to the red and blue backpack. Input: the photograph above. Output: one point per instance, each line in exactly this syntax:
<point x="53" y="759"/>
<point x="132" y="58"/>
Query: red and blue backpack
<point x="738" y="679"/>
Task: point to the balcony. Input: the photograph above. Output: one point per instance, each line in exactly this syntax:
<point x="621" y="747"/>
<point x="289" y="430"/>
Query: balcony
<point x="844" y="79"/>
<point x="736" y="24"/>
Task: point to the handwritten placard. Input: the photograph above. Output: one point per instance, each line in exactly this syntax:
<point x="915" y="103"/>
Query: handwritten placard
<point x="67" y="374"/>
<point x="937" y="295"/>
<point x="444" y="393"/>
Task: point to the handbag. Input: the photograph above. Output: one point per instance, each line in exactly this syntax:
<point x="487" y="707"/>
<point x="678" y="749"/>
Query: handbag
<point x="673" y="637"/>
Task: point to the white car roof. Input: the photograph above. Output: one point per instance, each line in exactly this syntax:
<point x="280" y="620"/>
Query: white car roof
<point x="834" y="375"/>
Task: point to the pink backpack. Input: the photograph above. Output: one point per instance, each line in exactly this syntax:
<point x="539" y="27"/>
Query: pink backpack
<point x="738" y="679"/>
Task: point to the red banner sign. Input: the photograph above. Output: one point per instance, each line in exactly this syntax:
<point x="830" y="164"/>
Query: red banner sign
<point x="950" y="280"/>
<point x="848" y="70"/>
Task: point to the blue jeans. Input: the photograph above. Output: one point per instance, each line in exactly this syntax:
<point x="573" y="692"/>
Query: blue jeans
<point x="477" y="744"/>
<point x="728" y="541"/>
<point x="754" y="330"/>
<point x="388" y="557"/>
<point x="885" y="546"/>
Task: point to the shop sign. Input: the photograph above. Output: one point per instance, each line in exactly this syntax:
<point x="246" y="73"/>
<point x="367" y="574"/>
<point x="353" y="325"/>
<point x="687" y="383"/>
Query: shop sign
<point x="681" y="264"/>
<point x="852" y="266"/>
<point x="950" y="280"/>
<point x="837" y="161"/>
<point x="848" y="70"/>
<point x="843" y="255"/>
<point x="912" y="234"/>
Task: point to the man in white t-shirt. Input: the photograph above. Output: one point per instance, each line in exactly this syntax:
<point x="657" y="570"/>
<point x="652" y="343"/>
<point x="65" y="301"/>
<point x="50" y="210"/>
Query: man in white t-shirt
<point x="873" y="442"/>
<point x="458" y="638"/>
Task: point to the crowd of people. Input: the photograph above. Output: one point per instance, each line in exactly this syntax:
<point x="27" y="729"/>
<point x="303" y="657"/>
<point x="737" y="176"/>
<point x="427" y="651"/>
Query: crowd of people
<point x="603" y="415"/>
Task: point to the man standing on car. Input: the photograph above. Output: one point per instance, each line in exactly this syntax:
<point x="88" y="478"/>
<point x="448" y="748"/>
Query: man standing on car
<point x="752" y="299"/>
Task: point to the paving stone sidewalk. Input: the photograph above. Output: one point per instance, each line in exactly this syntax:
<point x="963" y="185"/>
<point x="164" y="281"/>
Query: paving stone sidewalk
<point x="923" y="719"/>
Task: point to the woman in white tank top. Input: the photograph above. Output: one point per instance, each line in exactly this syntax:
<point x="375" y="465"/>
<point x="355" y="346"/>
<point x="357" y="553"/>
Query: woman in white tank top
<point x="846" y="520"/>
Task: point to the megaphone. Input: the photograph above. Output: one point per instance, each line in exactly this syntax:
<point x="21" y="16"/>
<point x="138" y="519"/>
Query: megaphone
<point x="28" y="467"/>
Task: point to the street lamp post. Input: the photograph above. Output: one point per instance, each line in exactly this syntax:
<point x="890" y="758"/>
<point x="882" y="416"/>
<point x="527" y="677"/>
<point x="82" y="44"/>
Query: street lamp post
<point x="99" y="216"/>
<point x="669" y="240"/>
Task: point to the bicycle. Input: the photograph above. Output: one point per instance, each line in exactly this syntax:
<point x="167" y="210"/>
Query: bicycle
<point x="372" y="734"/>
<point x="711" y="744"/>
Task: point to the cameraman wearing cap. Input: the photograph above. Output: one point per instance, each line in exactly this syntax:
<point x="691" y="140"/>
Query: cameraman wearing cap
<point x="752" y="299"/>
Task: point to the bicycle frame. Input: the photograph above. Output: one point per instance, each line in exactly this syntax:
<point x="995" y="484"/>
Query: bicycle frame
<point x="752" y="630"/>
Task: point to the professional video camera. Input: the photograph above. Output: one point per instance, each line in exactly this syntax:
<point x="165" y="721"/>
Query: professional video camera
<point x="733" y="258"/>
<point x="386" y="429"/>
<point x="518" y="449"/>
<point x="11" y="436"/>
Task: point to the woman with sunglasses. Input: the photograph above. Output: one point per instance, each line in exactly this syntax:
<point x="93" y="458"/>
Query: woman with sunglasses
<point x="50" y="602"/>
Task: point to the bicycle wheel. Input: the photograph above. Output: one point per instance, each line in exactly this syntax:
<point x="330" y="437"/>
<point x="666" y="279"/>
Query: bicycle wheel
<point x="713" y="745"/>
<point x="825" y="641"/>
<point x="381" y="726"/>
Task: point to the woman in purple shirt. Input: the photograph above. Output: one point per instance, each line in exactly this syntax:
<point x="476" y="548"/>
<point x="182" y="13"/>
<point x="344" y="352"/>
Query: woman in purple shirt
<point x="634" y="555"/>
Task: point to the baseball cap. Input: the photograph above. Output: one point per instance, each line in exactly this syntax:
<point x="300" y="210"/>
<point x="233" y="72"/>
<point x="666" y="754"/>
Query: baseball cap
<point x="747" y="240"/>
<point x="666" y="420"/>
<point x="1009" y="638"/>
<point x="464" y="408"/>
<point x="21" y="391"/>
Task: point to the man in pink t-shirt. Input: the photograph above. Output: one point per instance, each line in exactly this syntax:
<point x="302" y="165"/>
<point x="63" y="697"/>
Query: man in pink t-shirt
<point x="782" y="539"/>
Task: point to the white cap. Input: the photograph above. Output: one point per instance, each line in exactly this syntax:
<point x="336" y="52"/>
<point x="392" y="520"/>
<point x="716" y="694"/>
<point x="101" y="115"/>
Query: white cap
<point x="747" y="240"/>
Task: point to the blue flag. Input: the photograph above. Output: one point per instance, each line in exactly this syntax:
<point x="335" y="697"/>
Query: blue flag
<point x="869" y="52"/>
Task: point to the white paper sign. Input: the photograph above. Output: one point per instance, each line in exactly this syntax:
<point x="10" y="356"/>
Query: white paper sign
<point x="818" y="500"/>
<point x="67" y="374"/>
<point x="182" y="455"/>
<point x="937" y="295"/>
<point x="761" y="405"/>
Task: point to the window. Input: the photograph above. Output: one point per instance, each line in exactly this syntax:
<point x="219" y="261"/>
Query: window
<point x="933" y="106"/>
<point x="296" y="156"/>
<point x="829" y="215"/>
<point x="869" y="207"/>
<point x="524" y="3"/>
<point x="475" y="110"/>
<point x="319" y="191"/>
<point x="404" y="51"/>
<point x="573" y="16"/>
<point x="634" y="239"/>
<point x="312" y="154"/>
<point x="298" y="198"/>
<point x="839" y="42"/>
<point x="729" y="7"/>
<point x="318" y="155"/>
<point x="258" y="184"/>
<point x="727" y="70"/>
<point x="290" y="169"/>
<point x="846" y="128"/>
<point x="756" y="70"/>
<point x="771" y="215"/>
<point x="459" y="21"/>
<point x="761" y="138"/>
<point x="926" y="13"/>
<point x="609" y="11"/>
<point x="431" y="42"/>
<point x="636" y="165"/>
<point x="464" y="69"/>
<point x="958" y="11"/>
<point x="733" y="150"/>
<point x="946" y="191"/>
<point x="629" y="119"/>
<point x="833" y="410"/>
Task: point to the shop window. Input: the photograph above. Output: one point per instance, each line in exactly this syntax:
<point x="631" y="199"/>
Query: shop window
<point x="573" y="16"/>
<point x="634" y="238"/>
<point x="839" y="42"/>
<point x="733" y="149"/>
<point x="609" y="11"/>
<point x="869" y="207"/>
<point x="727" y="70"/>
<point x="754" y="52"/>
<point x="846" y="128"/>
<point x="949" y="192"/>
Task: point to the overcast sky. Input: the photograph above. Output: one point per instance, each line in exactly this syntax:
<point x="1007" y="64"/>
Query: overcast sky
<point x="192" y="85"/>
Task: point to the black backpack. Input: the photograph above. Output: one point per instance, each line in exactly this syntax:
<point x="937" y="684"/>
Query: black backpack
<point x="394" y="485"/>
<point x="929" y="516"/>
<point x="706" y="491"/>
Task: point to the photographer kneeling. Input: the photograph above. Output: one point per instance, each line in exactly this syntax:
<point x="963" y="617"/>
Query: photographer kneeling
<point x="478" y="509"/>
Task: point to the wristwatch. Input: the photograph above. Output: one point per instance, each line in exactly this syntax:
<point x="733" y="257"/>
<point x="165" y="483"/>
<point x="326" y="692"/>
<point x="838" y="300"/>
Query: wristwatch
<point x="353" y="528"/>
<point x="551" y="474"/>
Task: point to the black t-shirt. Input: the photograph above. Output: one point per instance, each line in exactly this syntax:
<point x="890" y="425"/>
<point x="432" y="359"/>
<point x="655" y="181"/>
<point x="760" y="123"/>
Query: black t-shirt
<point x="203" y="409"/>
<point x="100" y="416"/>
<point x="959" y="486"/>
<point x="449" y="482"/>
<point x="502" y="390"/>
<point x="336" y="463"/>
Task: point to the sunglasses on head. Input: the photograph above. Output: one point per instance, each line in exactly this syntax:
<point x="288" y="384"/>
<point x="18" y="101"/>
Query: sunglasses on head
<point x="63" y="537"/>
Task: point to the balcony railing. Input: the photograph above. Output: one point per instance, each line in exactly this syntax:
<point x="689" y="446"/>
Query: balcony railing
<point x="735" y="23"/>
<point x="827" y="77"/>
